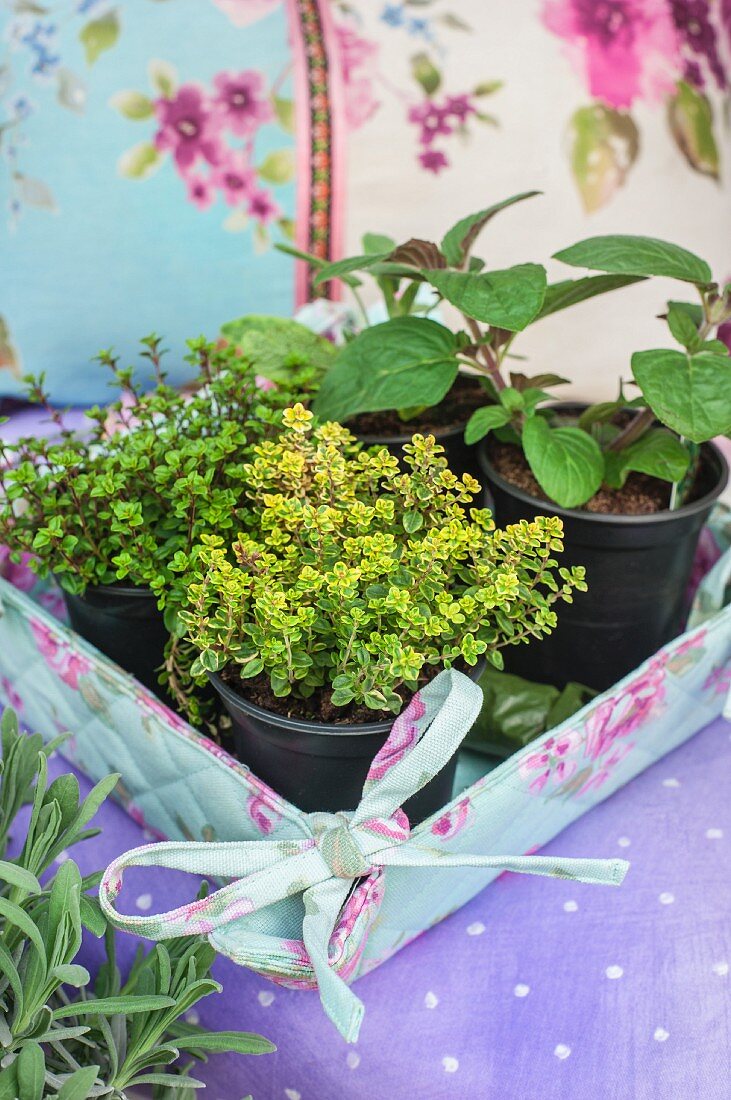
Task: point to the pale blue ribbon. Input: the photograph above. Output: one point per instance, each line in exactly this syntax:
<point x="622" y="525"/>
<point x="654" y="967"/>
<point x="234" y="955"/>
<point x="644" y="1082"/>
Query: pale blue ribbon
<point x="339" y="849"/>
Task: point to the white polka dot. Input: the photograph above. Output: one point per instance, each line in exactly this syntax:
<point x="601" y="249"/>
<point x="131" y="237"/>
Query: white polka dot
<point x="562" y="1051"/>
<point x="671" y="782"/>
<point x="521" y="990"/>
<point x="720" y="968"/>
<point x="192" y="1017"/>
<point x="265" y="998"/>
<point x="661" y="1034"/>
<point x="144" y="901"/>
<point x="475" y="929"/>
<point x="666" y="899"/>
<point x="714" y="834"/>
<point x="614" y="972"/>
<point x="292" y="1094"/>
<point x="624" y="842"/>
<point x="62" y="857"/>
<point x="570" y="906"/>
<point x="431" y="1000"/>
<point x="352" y="1059"/>
<point x="451" y="1065"/>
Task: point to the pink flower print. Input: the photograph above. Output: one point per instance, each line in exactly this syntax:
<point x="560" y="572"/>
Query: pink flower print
<point x="621" y="715"/>
<point x="188" y="127"/>
<point x="263" y="207"/>
<point x="12" y="699"/>
<point x="553" y="764"/>
<point x="358" y="63"/>
<point x="453" y="821"/>
<point x="235" y="178"/>
<point x="201" y="191"/>
<point x="404" y="734"/>
<point x="433" y="121"/>
<point x="607" y="764"/>
<point x="240" y="101"/>
<point x="433" y="160"/>
<point x="263" y="813"/>
<point x="718" y="680"/>
<point x="626" y="49"/>
<point x="67" y="665"/>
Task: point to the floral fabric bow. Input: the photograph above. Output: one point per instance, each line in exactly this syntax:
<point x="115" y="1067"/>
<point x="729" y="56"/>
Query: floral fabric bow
<point x="338" y="851"/>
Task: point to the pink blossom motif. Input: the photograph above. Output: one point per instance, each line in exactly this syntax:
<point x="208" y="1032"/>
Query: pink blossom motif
<point x="453" y="821"/>
<point x="718" y="680"/>
<point x="243" y="13"/>
<point x="241" y="102"/>
<point x="432" y="120"/>
<point x="606" y="767"/>
<point x="622" y="715"/>
<point x="201" y="191"/>
<point x="433" y="160"/>
<point x="553" y="764"/>
<point x="235" y="178"/>
<point x="358" y="58"/>
<point x="624" y="49"/>
<point x="188" y="127"/>
<point x="10" y="695"/>
<point x="263" y="812"/>
<point x="59" y="657"/>
<point x="263" y="207"/>
<point x="403" y="736"/>
<point x="195" y="923"/>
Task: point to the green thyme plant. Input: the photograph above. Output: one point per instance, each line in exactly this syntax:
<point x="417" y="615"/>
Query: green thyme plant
<point x="59" y="1035"/>
<point x="358" y="581"/>
<point x="410" y="362"/>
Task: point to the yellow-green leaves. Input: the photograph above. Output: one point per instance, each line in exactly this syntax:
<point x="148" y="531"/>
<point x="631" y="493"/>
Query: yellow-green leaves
<point x="604" y="146"/>
<point x="691" y="123"/>
<point x="99" y="35"/>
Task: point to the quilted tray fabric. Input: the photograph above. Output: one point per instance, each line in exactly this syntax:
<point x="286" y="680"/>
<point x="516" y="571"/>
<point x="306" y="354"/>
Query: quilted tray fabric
<point x="182" y="786"/>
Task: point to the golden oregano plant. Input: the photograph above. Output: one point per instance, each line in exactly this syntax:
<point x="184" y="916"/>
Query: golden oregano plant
<point x="62" y="1034"/>
<point x="361" y="579"/>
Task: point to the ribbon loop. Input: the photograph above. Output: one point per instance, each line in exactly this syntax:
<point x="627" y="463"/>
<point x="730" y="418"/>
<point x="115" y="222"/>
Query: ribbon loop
<point x="339" y="848"/>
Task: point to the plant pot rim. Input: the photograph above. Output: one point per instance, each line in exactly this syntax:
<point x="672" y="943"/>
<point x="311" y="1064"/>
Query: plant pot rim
<point x="115" y="590"/>
<point x="305" y="725"/>
<point x="602" y="518"/>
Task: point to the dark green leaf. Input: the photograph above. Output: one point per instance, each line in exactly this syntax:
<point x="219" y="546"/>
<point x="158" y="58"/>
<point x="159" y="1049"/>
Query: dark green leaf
<point x="508" y="299"/>
<point x="338" y="268"/>
<point x="483" y="421"/>
<point x="458" y="241"/>
<point x="377" y="242"/>
<point x="689" y="393"/>
<point x="572" y="291"/>
<point x="308" y="257"/>
<point x="567" y="462"/>
<point x="683" y="329"/>
<point x="623" y="254"/>
<point x="657" y="453"/>
<point x="402" y="362"/>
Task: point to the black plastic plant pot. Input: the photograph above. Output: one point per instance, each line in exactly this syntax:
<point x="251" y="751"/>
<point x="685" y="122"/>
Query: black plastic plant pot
<point x="462" y="458"/>
<point x="637" y="571"/>
<point x="317" y="766"/>
<point x="126" y="625"/>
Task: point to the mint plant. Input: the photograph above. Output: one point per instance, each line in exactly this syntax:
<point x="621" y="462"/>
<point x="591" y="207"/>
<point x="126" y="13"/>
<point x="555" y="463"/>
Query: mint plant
<point x="60" y="1035"/>
<point x="356" y="581"/>
<point x="410" y="362"/>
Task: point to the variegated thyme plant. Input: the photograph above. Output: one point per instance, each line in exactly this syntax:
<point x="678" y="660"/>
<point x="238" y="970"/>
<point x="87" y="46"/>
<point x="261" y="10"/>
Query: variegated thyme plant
<point x="356" y="580"/>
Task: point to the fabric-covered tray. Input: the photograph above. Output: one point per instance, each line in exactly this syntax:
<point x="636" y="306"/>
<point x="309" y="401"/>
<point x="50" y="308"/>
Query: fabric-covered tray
<point x="319" y="899"/>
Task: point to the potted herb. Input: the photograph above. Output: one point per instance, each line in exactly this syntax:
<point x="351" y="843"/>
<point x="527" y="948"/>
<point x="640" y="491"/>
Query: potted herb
<point x="60" y="1034"/>
<point x="413" y="373"/>
<point x="354" y="584"/>
<point x="113" y="512"/>
<point x="634" y="478"/>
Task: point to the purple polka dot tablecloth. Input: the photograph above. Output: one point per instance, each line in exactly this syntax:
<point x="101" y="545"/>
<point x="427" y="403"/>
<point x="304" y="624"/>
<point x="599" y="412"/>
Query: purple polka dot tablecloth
<point x="537" y="988"/>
